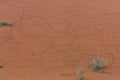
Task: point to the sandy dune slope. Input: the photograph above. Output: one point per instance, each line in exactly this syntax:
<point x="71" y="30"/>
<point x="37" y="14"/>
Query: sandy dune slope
<point x="52" y="39"/>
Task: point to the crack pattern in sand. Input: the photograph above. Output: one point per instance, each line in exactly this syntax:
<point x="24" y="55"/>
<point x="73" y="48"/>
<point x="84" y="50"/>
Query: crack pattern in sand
<point x="57" y="35"/>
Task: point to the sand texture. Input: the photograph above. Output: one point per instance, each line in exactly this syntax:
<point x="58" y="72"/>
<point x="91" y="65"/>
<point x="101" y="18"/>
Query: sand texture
<point x="52" y="39"/>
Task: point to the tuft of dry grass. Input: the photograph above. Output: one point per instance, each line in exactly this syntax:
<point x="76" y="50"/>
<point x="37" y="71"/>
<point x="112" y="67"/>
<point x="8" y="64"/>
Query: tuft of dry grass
<point x="80" y="74"/>
<point x="2" y="23"/>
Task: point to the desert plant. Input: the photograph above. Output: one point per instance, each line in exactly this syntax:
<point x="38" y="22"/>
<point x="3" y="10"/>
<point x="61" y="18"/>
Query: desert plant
<point x="80" y="74"/>
<point x="97" y="64"/>
<point x="5" y="23"/>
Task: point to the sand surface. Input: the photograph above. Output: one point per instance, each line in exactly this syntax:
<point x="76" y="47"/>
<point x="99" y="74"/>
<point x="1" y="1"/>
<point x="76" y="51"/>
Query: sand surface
<point x="52" y="39"/>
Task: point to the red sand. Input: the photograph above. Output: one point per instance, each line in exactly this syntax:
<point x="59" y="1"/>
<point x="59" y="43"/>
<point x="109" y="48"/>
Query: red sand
<point x="52" y="39"/>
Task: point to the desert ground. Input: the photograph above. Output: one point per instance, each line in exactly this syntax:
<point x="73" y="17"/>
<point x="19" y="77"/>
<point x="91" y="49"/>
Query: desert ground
<point x="53" y="39"/>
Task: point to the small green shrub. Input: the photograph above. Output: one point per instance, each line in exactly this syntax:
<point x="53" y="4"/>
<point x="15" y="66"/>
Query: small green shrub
<point x="97" y="64"/>
<point x="80" y="74"/>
